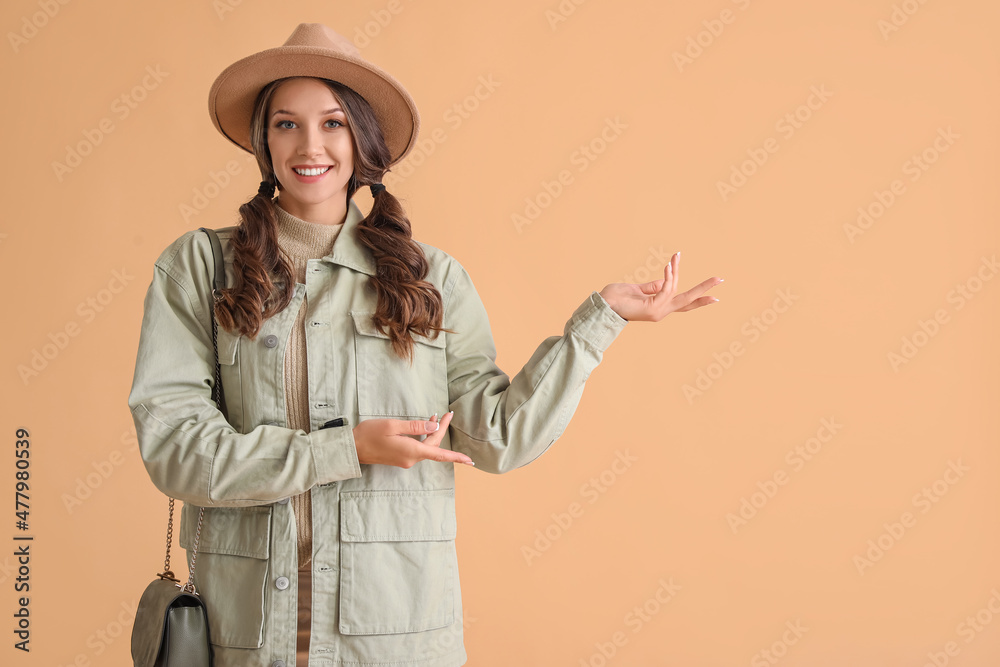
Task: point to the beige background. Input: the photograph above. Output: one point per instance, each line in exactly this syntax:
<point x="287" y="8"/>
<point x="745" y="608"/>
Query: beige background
<point x="901" y="82"/>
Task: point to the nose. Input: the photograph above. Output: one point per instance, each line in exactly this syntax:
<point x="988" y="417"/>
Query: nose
<point x="312" y="142"/>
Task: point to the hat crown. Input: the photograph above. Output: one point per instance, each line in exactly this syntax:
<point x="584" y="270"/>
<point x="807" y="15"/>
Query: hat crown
<point x="317" y="35"/>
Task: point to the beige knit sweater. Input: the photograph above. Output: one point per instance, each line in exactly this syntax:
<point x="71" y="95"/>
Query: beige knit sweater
<point x="301" y="241"/>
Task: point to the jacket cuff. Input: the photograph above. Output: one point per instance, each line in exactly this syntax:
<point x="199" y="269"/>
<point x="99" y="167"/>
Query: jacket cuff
<point x="596" y="322"/>
<point x="335" y="454"/>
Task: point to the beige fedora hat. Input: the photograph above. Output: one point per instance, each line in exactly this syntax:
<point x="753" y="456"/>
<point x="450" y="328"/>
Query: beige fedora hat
<point x="313" y="50"/>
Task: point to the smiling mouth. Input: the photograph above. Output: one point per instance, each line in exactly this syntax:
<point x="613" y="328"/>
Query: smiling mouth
<point x="314" y="171"/>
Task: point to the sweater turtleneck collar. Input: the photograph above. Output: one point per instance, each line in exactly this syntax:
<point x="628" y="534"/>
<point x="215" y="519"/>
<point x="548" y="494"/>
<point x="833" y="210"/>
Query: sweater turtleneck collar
<point x="302" y="239"/>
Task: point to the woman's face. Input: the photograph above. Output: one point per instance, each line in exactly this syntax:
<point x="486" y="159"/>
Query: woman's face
<point x="312" y="152"/>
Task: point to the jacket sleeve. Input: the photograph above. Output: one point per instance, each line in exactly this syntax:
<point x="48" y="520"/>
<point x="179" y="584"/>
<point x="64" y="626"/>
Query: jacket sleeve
<point x="503" y="424"/>
<point x="189" y="449"/>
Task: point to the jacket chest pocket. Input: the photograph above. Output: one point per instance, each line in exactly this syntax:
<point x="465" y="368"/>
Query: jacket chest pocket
<point x="230" y="571"/>
<point x="398" y="561"/>
<point x="232" y="379"/>
<point x="389" y="386"/>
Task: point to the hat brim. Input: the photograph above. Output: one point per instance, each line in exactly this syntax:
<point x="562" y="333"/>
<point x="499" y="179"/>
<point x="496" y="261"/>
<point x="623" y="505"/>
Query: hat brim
<point x="232" y="96"/>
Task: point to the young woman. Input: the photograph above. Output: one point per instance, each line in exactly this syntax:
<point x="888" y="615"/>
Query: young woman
<point x="329" y="525"/>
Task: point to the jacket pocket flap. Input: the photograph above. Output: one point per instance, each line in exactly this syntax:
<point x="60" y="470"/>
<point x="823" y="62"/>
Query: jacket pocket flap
<point x="363" y="325"/>
<point x="397" y="516"/>
<point x="237" y="531"/>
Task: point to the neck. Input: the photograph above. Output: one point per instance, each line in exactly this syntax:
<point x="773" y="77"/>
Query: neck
<point x="302" y="240"/>
<point x="331" y="212"/>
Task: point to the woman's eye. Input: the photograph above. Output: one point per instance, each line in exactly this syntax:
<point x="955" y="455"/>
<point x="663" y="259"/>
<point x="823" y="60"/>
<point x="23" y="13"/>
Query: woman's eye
<point x="281" y="123"/>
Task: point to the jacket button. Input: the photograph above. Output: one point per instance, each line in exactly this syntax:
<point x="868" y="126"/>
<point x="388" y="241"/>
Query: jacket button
<point x="281" y="583"/>
<point x="283" y="501"/>
<point x="278" y="663"/>
<point x="270" y="340"/>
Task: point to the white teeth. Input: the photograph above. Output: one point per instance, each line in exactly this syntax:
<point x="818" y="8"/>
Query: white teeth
<point x="316" y="171"/>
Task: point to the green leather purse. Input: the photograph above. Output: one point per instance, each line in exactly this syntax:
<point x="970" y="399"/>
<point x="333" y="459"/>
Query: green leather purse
<point x="171" y="622"/>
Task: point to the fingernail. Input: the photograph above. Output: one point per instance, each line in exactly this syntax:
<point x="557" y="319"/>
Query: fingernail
<point x="432" y="426"/>
<point x="469" y="463"/>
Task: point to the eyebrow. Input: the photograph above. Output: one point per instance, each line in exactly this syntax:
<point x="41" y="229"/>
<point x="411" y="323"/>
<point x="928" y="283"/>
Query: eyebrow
<point x="324" y="113"/>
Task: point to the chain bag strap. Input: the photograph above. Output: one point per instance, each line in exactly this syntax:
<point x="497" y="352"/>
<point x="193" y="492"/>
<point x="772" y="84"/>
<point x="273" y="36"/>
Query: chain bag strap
<point x="171" y="624"/>
<point x="218" y="280"/>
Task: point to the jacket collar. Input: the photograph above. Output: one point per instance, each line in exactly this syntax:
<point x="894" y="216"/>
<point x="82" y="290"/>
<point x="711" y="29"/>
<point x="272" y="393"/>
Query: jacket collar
<point x="347" y="249"/>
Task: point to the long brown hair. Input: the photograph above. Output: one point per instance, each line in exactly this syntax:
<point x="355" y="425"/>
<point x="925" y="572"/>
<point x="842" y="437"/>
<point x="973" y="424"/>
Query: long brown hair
<point x="265" y="283"/>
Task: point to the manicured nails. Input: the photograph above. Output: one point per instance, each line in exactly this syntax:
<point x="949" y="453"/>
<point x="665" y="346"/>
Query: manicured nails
<point x="432" y="426"/>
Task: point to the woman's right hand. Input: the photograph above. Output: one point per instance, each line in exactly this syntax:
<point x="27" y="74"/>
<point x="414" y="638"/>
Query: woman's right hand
<point x="386" y="441"/>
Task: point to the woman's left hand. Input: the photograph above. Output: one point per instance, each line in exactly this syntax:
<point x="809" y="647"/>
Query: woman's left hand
<point x="656" y="299"/>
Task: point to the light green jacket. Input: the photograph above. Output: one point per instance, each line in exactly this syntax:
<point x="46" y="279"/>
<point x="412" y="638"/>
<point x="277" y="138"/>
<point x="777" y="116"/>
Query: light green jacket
<point x="385" y="571"/>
